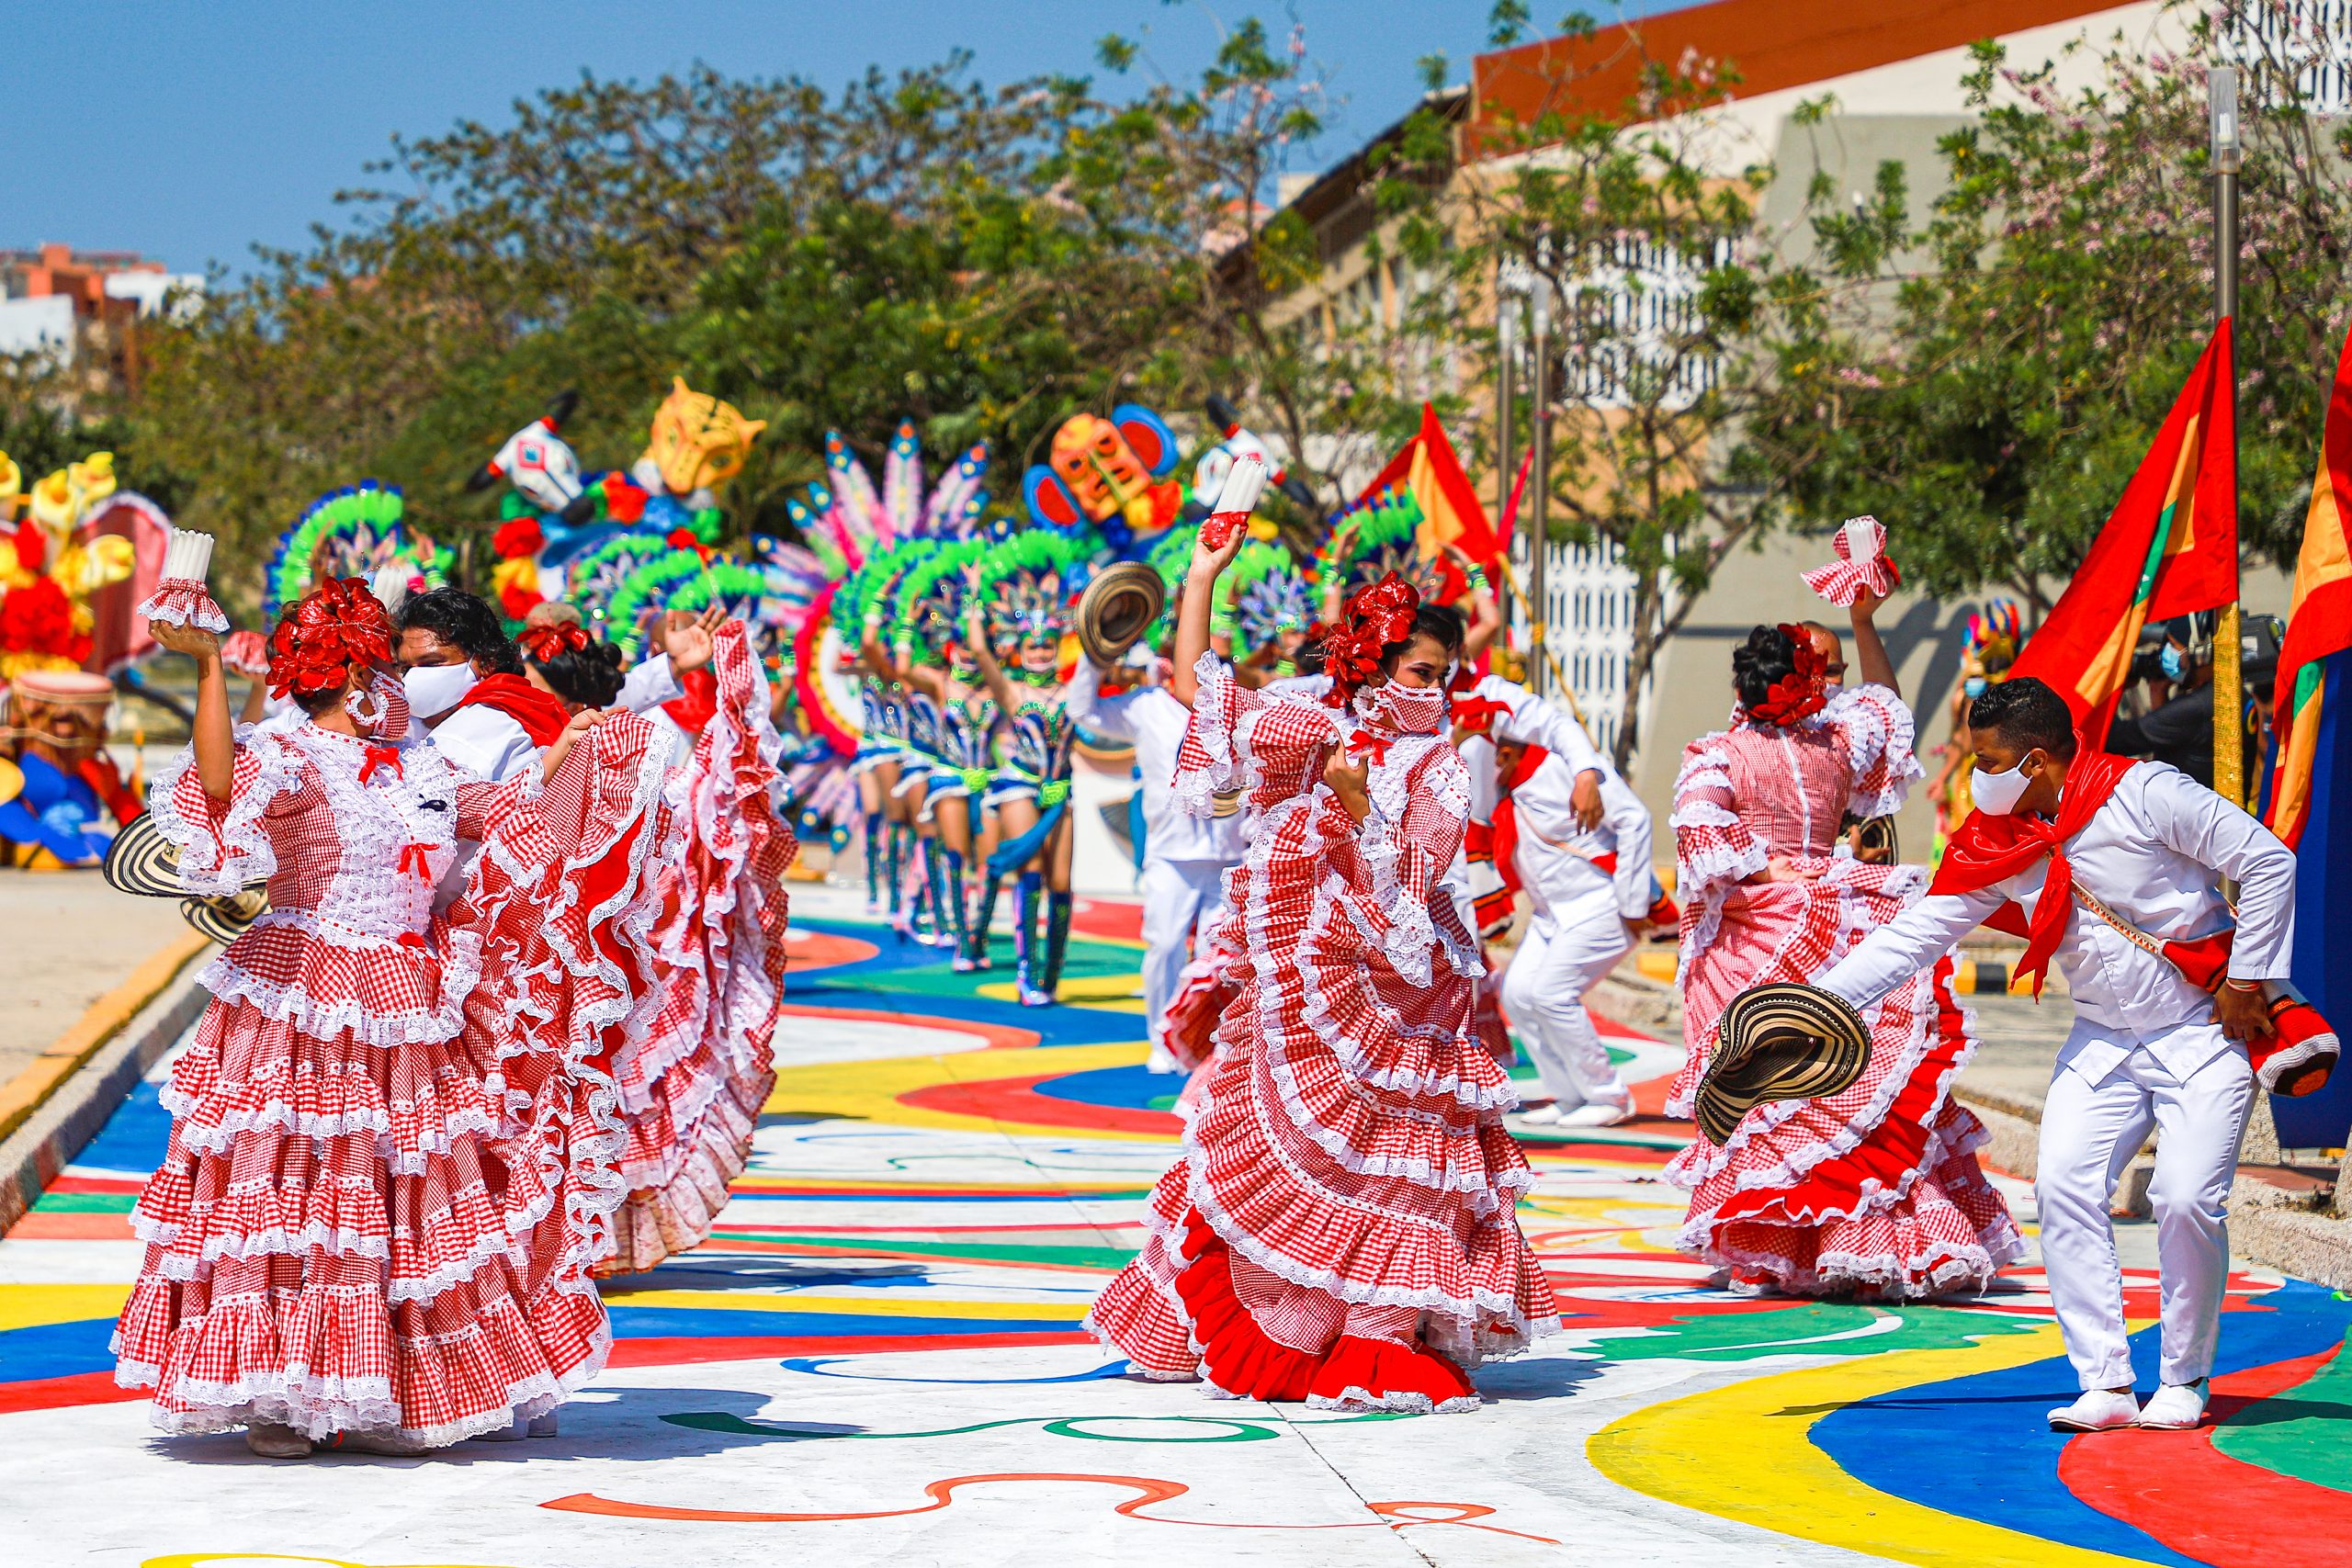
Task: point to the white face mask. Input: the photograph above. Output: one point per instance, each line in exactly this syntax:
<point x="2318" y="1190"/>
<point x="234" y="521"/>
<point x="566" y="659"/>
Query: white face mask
<point x="434" y="690"/>
<point x="1996" y="794"/>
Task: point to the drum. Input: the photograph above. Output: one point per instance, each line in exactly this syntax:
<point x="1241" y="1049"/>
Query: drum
<point x="60" y="716"/>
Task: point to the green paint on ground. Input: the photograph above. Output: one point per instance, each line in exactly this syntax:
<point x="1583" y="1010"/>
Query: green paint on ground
<point x="2299" y="1431"/>
<point x="87" y="1203"/>
<point x="1808" y="1328"/>
<point x="999" y="1252"/>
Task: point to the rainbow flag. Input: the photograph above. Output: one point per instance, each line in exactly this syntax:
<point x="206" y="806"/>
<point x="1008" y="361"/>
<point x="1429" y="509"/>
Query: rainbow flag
<point x="2168" y="549"/>
<point x="2311" y="789"/>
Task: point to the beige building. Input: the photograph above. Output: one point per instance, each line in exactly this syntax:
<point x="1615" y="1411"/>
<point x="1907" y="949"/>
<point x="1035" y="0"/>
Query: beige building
<point x="1895" y="73"/>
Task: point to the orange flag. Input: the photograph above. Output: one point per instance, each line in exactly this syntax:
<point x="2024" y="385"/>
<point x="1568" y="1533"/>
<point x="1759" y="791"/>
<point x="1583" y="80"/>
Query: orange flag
<point x="2170" y="548"/>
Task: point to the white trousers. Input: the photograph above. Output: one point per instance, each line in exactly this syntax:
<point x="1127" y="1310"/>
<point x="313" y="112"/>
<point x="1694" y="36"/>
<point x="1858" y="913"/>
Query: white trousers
<point x="2089" y="1133"/>
<point x="1544" y="990"/>
<point x="1179" y="896"/>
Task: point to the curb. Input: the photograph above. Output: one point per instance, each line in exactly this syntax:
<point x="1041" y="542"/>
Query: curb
<point x="54" y="1107"/>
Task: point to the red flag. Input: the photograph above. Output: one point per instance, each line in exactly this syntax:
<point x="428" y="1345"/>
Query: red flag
<point x="2170" y="548"/>
<point x="1427" y="469"/>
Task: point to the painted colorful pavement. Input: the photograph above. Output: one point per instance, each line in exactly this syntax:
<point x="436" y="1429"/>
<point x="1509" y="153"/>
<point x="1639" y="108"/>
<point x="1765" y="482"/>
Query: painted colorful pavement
<point x="878" y="1359"/>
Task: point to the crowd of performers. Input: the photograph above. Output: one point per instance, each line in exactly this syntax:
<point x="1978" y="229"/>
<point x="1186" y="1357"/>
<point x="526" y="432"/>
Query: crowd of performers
<point x="507" y="1021"/>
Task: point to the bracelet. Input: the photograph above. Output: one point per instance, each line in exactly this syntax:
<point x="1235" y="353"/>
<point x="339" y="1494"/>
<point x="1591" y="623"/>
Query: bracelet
<point x="1476" y="578"/>
<point x="2235" y="984"/>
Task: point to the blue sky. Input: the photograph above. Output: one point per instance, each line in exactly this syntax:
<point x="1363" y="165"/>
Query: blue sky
<point x="191" y="129"/>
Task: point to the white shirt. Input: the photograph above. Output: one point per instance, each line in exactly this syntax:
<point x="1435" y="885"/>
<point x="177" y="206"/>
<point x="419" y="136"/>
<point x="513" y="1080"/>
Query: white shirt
<point x="649" y="684"/>
<point x="1557" y="853"/>
<point x="2151" y="854"/>
<point x="1154" y="721"/>
<point x="489" y="744"/>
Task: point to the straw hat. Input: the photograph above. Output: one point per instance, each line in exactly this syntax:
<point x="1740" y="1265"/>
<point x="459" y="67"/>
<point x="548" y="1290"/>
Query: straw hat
<point x="1779" y="1041"/>
<point x="226" y="920"/>
<point x="142" y="861"/>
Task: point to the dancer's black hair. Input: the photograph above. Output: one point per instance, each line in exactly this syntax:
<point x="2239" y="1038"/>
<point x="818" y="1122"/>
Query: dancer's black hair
<point x="1768" y="655"/>
<point x="590" y="676"/>
<point x="466" y="622"/>
<point x="2026" y="715"/>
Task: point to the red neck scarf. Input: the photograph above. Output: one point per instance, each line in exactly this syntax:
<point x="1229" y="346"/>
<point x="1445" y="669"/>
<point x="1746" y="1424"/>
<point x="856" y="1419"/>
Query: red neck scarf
<point x="1506" y="816"/>
<point x="699" y="701"/>
<point x="1986" y="849"/>
<point x="540" y="715"/>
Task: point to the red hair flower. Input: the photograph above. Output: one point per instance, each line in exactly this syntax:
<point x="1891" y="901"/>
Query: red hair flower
<point x="544" y="643"/>
<point x="1799" y="692"/>
<point x="1376" y="617"/>
<point x="338" y="629"/>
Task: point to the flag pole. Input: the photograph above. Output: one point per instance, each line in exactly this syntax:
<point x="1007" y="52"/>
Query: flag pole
<point x="2229" y="696"/>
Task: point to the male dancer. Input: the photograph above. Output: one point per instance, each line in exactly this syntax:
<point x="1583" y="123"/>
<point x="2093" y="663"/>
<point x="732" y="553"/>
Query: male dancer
<point x="1590" y="890"/>
<point x="1184" y="857"/>
<point x="2085" y="844"/>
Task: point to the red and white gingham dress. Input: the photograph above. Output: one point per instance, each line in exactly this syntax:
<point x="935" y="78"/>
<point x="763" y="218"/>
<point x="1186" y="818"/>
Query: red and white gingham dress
<point x="376" y="1211"/>
<point x="700" y="1060"/>
<point x="1339" y="1228"/>
<point x="1875" y="1189"/>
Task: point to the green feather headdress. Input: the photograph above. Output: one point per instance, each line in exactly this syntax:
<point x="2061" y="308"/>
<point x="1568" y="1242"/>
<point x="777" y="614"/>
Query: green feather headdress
<point x="1032" y="580"/>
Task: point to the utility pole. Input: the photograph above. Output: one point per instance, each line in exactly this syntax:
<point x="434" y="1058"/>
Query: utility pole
<point x="2229" y="697"/>
<point x="1539" y="437"/>
<point x="1505" y="309"/>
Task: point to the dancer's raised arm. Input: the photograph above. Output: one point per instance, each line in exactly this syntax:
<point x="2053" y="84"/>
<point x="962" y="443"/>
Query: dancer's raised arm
<point x="214" y="738"/>
<point x="1194" y="607"/>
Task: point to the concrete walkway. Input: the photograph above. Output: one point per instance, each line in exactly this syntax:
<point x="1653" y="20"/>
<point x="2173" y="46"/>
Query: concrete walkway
<point x="879" y="1359"/>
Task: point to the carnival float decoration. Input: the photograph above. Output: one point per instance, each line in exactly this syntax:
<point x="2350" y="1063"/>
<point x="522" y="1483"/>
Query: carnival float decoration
<point x="1112" y="475"/>
<point x="82" y="551"/>
<point x="555" y="514"/>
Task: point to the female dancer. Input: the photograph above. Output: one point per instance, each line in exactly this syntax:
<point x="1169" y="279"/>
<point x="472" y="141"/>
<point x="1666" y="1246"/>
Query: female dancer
<point x="1025" y="604"/>
<point x="351" y="1240"/>
<point x="1339" y="1228"/>
<point x="1874" y="1190"/>
<point x="948" y="678"/>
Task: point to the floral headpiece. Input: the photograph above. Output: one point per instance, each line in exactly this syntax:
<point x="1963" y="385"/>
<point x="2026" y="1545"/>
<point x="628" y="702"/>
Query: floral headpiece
<point x="1373" y="618"/>
<point x="1800" y="690"/>
<point x="545" y="644"/>
<point x="338" y="628"/>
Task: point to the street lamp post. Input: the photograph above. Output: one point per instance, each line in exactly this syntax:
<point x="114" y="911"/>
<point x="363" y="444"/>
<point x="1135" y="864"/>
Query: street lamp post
<point x="1505" y="309"/>
<point x="1539" y="440"/>
<point x="2228" y="151"/>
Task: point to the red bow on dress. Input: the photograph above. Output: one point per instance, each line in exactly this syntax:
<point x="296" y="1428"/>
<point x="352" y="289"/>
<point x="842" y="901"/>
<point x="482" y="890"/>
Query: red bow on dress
<point x="413" y="858"/>
<point x="381" y="757"/>
<point x="1370" y="745"/>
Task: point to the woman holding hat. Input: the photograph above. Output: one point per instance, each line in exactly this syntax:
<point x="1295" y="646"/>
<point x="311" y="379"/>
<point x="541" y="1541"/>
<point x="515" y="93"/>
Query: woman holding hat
<point x="1874" y="1189"/>
<point x="373" y="1225"/>
<point x="1339" y="1227"/>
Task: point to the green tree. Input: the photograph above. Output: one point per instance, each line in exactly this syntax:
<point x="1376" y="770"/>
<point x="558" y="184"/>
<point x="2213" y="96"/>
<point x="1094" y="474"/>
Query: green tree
<point x="2055" y="294"/>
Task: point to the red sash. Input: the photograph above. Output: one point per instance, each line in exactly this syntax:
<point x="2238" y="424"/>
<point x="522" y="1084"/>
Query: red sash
<point x="541" y="716"/>
<point x="1506" y="838"/>
<point x="1987" y="849"/>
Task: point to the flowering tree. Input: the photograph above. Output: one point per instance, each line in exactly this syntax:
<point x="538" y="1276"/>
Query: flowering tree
<point x="2058" y="291"/>
<point x="1676" y="325"/>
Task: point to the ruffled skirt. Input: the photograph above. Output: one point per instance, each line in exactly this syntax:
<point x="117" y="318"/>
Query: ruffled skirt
<point x="1339" y="1228"/>
<point x="1874" y="1191"/>
<point x="342" y="1237"/>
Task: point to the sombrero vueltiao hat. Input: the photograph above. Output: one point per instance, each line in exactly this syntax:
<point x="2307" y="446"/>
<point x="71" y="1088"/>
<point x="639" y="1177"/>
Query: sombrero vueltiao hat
<point x="226" y="920"/>
<point x="142" y="861"/>
<point x="1779" y="1041"/>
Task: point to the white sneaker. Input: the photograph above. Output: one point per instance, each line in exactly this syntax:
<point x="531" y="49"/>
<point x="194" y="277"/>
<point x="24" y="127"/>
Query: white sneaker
<point x="1544" y="1115"/>
<point x="1595" y="1114"/>
<point x="2098" y="1410"/>
<point x="2174" y="1407"/>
